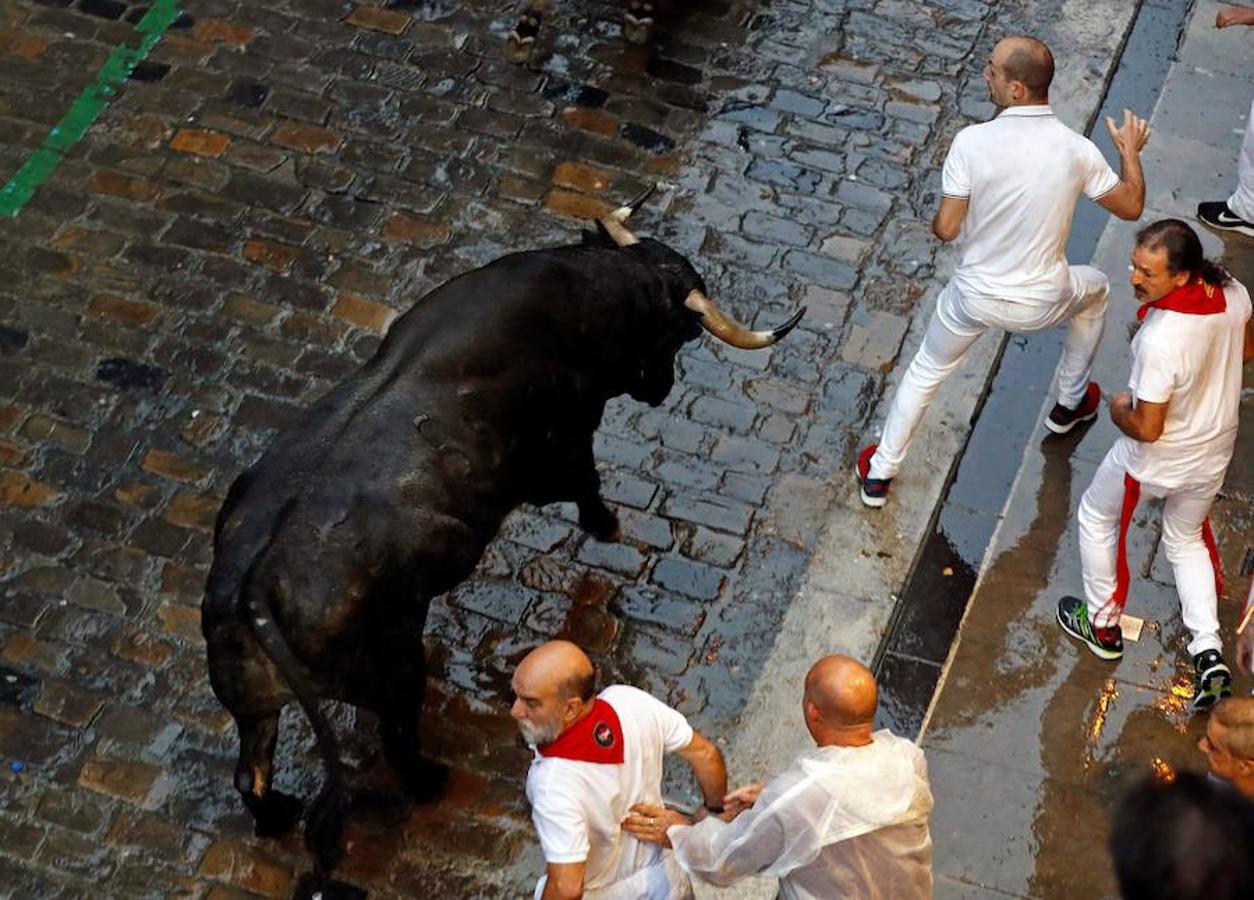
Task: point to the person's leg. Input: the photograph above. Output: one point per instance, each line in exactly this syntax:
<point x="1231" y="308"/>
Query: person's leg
<point x="1189" y="547"/>
<point x="1242" y="200"/>
<point x="941" y="353"/>
<point x="1090" y="292"/>
<point x="1103" y="517"/>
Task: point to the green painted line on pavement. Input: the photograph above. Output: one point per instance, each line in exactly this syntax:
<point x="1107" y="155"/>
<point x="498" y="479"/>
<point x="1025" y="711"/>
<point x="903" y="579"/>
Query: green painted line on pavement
<point x="86" y="108"/>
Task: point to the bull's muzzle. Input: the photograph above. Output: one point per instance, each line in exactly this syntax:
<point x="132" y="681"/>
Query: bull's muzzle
<point x="729" y="331"/>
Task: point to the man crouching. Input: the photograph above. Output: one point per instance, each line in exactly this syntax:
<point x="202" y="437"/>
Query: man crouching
<point x="597" y="755"/>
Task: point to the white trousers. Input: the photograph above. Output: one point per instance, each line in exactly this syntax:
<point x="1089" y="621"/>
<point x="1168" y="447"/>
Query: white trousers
<point x="959" y="321"/>
<point x="1242" y="200"/>
<point x="1104" y="515"/>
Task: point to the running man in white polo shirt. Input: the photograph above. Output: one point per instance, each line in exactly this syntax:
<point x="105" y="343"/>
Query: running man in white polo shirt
<point x="1179" y="423"/>
<point x="597" y="756"/>
<point x="1010" y="188"/>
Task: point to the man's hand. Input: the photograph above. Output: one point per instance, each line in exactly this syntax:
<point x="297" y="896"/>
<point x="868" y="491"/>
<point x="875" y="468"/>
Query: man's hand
<point x="1234" y="15"/>
<point x="1120" y="404"/>
<point x="647" y="822"/>
<point x="742" y="798"/>
<point x="1130" y="137"/>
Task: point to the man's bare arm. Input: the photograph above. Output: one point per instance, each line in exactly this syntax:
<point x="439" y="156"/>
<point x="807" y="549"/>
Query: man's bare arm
<point x="1248" y="349"/>
<point x="1143" y="423"/>
<point x="1234" y="15"/>
<point x="564" y="882"/>
<point x="1127" y="199"/>
<point x="707" y="765"/>
<point x="949" y="218"/>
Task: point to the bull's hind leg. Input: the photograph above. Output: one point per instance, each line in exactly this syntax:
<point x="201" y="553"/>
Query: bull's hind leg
<point x="400" y="712"/>
<point x="274" y="813"/>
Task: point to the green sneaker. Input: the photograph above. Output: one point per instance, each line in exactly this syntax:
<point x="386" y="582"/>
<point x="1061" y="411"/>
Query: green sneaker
<point x="1212" y="680"/>
<point x="1073" y="616"/>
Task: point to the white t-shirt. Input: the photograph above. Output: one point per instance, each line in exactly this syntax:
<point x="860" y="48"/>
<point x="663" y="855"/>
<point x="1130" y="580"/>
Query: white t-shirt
<point x="840" y="822"/>
<point x="1022" y="174"/>
<point x="578" y="807"/>
<point x="1193" y="363"/>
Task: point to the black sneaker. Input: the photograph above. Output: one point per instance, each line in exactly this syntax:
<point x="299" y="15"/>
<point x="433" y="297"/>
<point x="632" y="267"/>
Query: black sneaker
<point x="1212" y="680"/>
<point x="874" y="491"/>
<point x="1073" y="616"/>
<point x="1061" y="419"/>
<point x="1216" y="214"/>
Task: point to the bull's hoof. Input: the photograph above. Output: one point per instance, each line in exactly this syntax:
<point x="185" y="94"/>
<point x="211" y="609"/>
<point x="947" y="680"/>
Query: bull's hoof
<point x="425" y="780"/>
<point x="518" y="49"/>
<point x="521" y="44"/>
<point x="276" y="815"/>
<point x="601" y="524"/>
<point x="312" y="887"/>
<point x="638" y="22"/>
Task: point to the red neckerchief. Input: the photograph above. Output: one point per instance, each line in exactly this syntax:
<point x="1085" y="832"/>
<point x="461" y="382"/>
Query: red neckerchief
<point x="596" y="738"/>
<point x="1197" y="298"/>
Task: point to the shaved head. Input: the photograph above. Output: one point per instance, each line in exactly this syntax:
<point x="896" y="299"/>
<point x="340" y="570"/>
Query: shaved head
<point x="842" y="692"/>
<point x="1027" y="60"/>
<point x="1236" y="716"/>
<point x="553" y="686"/>
<point x="561" y="667"/>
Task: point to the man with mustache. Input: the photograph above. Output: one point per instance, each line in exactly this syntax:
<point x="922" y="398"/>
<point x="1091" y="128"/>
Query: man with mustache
<point x="1179" y="424"/>
<point x="596" y="756"/>
<point x="1010" y="188"/>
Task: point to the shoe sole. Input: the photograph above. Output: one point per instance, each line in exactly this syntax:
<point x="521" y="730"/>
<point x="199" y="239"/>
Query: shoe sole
<point x="867" y="499"/>
<point x="1215" y="686"/>
<point x="1097" y="651"/>
<point x="1219" y="226"/>
<point x="1063" y="429"/>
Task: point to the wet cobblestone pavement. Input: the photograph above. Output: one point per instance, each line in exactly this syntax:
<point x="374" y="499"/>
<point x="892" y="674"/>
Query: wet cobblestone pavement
<point x="234" y="233"/>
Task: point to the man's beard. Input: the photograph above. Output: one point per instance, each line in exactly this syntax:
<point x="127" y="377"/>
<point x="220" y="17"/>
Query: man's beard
<point x="539" y="735"/>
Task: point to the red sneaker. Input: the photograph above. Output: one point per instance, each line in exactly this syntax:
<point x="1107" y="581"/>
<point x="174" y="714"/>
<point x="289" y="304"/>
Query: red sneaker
<point x="1061" y="420"/>
<point x="874" y="491"/>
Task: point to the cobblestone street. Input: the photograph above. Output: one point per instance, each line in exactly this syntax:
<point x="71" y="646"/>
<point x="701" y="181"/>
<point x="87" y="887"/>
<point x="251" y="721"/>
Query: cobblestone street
<point x="272" y="185"/>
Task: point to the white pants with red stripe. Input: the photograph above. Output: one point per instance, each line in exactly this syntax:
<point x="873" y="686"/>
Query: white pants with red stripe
<point x="959" y="321"/>
<point x="1104" y="516"/>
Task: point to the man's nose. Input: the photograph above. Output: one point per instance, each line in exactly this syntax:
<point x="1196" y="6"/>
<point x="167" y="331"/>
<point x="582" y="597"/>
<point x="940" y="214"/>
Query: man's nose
<point x="516" y="709"/>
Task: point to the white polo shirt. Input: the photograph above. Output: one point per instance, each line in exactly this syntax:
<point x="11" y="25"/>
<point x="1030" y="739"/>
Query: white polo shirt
<point x="1193" y="363"/>
<point x="578" y="806"/>
<point x="1021" y="174"/>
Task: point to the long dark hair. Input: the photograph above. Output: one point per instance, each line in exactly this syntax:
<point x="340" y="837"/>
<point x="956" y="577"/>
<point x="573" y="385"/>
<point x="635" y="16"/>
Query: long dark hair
<point x="1183" y="249"/>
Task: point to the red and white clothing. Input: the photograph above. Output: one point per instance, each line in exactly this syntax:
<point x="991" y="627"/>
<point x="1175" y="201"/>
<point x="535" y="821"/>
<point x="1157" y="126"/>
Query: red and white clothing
<point x="1188" y="354"/>
<point x="840" y="822"/>
<point x="1021" y="175"/>
<point x="583" y="784"/>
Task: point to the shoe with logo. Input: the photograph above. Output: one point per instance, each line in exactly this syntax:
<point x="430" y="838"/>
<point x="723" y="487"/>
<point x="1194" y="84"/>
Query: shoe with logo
<point x="1212" y="680"/>
<point x="1073" y="616"/>
<point x="1216" y="214"/>
<point x="1061" y="419"/>
<point x="874" y="491"/>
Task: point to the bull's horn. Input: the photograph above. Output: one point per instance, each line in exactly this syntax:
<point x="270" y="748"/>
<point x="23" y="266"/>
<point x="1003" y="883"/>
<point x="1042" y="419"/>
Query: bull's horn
<point x="729" y="331"/>
<point x="617" y="231"/>
<point x="623" y="213"/>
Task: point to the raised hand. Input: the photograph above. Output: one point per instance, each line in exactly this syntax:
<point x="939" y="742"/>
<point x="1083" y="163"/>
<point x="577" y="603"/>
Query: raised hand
<point x="1131" y="136"/>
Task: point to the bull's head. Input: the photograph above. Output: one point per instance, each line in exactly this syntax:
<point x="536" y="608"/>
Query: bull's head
<point x="692" y="309"/>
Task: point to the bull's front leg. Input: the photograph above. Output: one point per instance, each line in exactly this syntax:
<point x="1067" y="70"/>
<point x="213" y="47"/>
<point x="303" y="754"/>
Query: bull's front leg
<point x="594" y="516"/>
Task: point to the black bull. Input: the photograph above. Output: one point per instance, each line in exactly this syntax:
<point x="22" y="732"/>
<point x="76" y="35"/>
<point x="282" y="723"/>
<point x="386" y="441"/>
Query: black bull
<point x="485" y="395"/>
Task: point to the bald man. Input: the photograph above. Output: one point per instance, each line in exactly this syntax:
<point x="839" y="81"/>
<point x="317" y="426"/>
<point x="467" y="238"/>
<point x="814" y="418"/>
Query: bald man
<point x="1229" y="743"/>
<point x="847" y="819"/>
<point x="595" y="756"/>
<point x="1009" y="189"/>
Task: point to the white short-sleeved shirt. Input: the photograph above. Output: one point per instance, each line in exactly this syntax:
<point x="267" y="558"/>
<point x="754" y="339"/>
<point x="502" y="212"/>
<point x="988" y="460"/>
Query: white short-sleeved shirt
<point x="1021" y="174"/>
<point x="1193" y="363"/>
<point x="840" y="822"/>
<point x="578" y="807"/>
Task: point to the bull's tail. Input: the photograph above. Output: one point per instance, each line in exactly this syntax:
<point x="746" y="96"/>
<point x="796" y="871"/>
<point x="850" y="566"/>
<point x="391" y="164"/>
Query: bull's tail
<point x="324" y="823"/>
